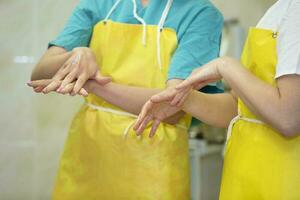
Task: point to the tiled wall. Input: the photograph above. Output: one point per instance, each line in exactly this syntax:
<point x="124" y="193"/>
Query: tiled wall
<point x="33" y="127"/>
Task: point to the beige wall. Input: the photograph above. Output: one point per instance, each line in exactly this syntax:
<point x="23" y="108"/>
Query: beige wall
<point x="33" y="127"/>
<point x="247" y="11"/>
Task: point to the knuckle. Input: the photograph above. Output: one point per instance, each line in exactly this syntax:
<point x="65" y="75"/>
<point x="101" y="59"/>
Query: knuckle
<point x="56" y="82"/>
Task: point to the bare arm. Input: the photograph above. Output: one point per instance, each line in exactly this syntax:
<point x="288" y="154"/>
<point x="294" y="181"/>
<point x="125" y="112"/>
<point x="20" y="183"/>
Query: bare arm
<point x="278" y="106"/>
<point x="214" y="109"/>
<point x="50" y="63"/>
<point x="130" y="98"/>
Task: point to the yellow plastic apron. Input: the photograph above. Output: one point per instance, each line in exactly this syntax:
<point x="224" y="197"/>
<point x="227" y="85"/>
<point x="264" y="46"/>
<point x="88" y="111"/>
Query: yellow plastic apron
<point x="103" y="158"/>
<point x="260" y="164"/>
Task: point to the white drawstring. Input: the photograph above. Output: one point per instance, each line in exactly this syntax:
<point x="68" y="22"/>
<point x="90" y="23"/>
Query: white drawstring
<point x="142" y="21"/>
<point x="112" y="10"/>
<point x="122" y="113"/>
<point x="160" y="28"/>
<point x="234" y="121"/>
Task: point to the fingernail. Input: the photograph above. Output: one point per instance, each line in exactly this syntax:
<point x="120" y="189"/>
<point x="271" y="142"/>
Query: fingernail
<point x="60" y="89"/>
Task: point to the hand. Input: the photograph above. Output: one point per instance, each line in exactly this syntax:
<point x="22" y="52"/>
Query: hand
<point x="158" y="109"/>
<point x="156" y="112"/>
<point x="204" y="75"/>
<point x="79" y="68"/>
<point x="39" y="85"/>
<point x="199" y="78"/>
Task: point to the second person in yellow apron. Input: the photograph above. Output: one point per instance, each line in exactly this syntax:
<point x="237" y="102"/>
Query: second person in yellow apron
<point x="262" y="156"/>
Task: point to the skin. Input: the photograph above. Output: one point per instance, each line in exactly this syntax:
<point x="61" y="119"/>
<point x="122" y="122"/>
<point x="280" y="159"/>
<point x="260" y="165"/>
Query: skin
<point x="65" y="68"/>
<point x="145" y="2"/>
<point x="77" y="72"/>
<point x="277" y="106"/>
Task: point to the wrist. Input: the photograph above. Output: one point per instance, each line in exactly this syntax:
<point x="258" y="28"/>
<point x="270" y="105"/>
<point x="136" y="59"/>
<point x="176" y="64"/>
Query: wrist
<point x="188" y="101"/>
<point x="226" y="66"/>
<point x="97" y="89"/>
<point x="89" y="86"/>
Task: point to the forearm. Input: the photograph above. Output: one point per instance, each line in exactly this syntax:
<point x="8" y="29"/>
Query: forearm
<point x="264" y="100"/>
<point x="50" y="63"/>
<point x="214" y="109"/>
<point x="128" y="98"/>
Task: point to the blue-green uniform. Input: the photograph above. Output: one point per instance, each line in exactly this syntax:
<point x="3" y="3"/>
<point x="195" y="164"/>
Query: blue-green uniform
<point x="198" y="25"/>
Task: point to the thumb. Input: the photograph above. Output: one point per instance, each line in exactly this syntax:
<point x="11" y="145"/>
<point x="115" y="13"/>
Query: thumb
<point x="102" y="80"/>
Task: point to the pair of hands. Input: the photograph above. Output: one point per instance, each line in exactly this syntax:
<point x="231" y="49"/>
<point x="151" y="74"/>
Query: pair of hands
<point x="156" y="110"/>
<point x="81" y="70"/>
<point x="74" y="76"/>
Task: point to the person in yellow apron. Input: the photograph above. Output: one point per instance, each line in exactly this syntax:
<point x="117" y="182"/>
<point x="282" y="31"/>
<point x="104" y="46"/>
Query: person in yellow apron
<point x="103" y="158"/>
<point x="262" y="155"/>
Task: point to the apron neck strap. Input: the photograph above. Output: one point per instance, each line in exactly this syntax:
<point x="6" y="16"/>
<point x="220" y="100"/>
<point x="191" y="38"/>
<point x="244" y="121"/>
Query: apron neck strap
<point x="160" y="28"/>
<point x="142" y="21"/>
<point x="112" y="10"/>
<point x="165" y="14"/>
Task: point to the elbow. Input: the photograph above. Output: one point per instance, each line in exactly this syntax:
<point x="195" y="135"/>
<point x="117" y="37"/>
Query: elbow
<point x="34" y="75"/>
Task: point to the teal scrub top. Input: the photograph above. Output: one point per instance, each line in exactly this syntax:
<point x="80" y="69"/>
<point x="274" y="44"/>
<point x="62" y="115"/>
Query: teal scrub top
<point x="198" y="25"/>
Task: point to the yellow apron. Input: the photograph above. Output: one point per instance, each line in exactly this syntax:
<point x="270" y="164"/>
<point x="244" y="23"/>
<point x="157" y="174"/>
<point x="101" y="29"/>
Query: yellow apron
<point x="260" y="164"/>
<point x="103" y="158"/>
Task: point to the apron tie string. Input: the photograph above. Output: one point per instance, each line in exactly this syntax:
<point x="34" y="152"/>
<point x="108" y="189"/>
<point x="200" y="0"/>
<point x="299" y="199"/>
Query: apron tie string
<point x="234" y="121"/>
<point x="126" y="114"/>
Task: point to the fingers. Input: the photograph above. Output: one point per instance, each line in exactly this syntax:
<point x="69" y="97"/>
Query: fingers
<point x="37" y="83"/>
<point x="63" y="71"/>
<point x="181" y="102"/>
<point x="67" y="89"/>
<point x="71" y="64"/>
<point x="154" y="128"/>
<point x="144" y="124"/>
<point x="144" y="112"/>
<point x="69" y="79"/>
<point x="38" y="89"/>
<point x="102" y="80"/>
<point x="80" y="83"/>
<point x="53" y="86"/>
<point x="83" y="92"/>
<point x="178" y="98"/>
<point x="186" y="83"/>
<point x="163" y="96"/>
<point x="47" y="84"/>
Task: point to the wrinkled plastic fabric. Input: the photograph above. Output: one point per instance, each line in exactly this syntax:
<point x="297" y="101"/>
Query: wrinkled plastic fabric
<point x="99" y="162"/>
<point x="260" y="164"/>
